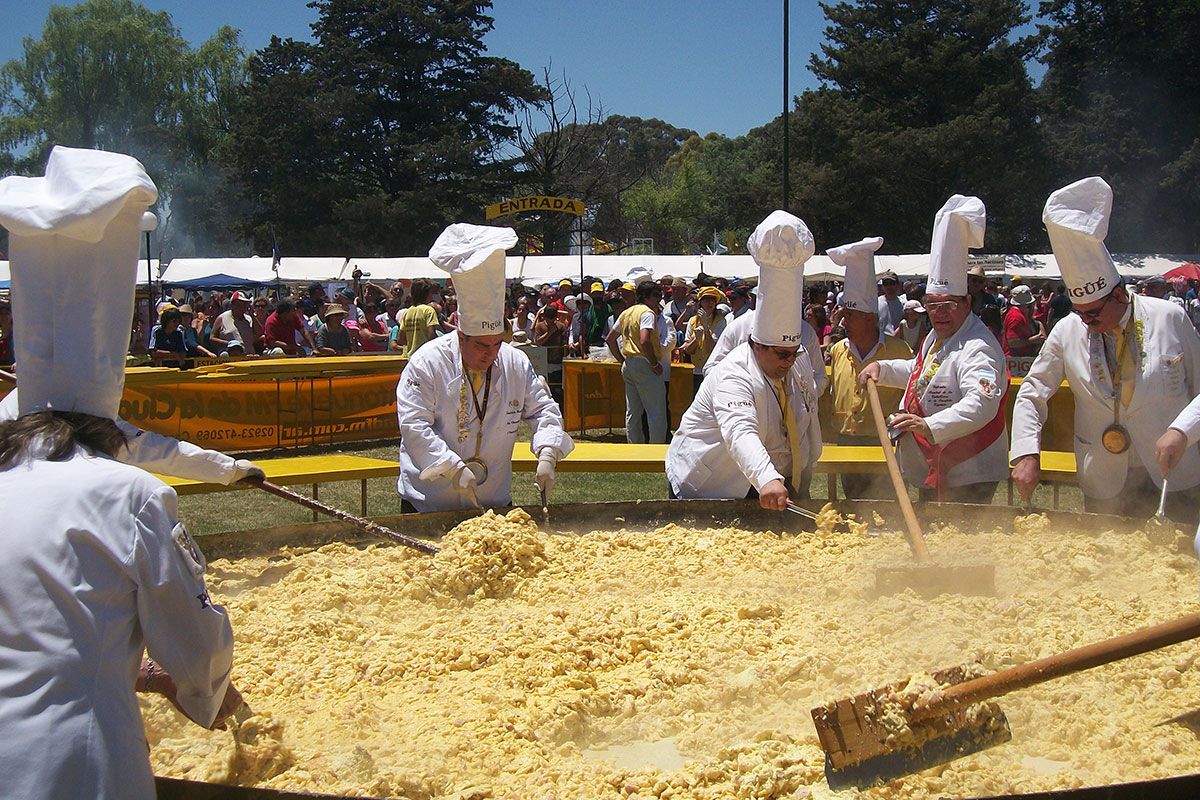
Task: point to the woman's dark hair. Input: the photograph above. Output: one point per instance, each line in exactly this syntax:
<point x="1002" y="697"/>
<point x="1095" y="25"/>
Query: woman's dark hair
<point x="422" y="288"/>
<point x="59" y="432"/>
<point x="646" y="289"/>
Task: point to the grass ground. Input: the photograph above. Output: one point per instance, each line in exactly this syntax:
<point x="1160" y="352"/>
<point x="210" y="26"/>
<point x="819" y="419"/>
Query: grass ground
<point x="246" y="510"/>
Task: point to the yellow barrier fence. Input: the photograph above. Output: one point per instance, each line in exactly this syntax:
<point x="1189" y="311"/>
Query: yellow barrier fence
<point x="291" y="402"/>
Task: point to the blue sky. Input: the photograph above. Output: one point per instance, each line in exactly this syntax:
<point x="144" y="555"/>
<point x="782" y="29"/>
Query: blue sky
<point x="708" y="65"/>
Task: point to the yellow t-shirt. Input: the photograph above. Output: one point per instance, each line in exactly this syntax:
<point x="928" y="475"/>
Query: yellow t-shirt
<point x="851" y="409"/>
<point x="629" y="325"/>
<point x="702" y="333"/>
<point x="416" y="323"/>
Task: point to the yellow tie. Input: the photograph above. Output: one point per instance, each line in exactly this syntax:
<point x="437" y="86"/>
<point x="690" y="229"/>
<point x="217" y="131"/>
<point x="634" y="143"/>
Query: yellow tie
<point x="1125" y="363"/>
<point x="476" y="380"/>
<point x="793" y="437"/>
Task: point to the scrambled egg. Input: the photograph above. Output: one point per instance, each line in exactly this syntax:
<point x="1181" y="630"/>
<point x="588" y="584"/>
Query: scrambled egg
<point x="517" y="664"/>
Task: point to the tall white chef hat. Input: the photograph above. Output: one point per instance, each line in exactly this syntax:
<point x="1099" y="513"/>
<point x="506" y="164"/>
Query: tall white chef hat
<point x="474" y="257"/>
<point x="639" y="274"/>
<point x="780" y="245"/>
<point x="859" y="260"/>
<point x="73" y="251"/>
<point x="958" y="226"/>
<point x="1076" y="218"/>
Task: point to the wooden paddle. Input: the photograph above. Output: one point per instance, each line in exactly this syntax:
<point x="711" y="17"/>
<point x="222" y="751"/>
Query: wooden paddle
<point x="373" y="528"/>
<point x="861" y="751"/>
<point x="924" y="576"/>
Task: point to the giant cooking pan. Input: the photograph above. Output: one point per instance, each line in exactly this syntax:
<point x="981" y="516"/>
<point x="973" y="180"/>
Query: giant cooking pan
<point x="584" y="517"/>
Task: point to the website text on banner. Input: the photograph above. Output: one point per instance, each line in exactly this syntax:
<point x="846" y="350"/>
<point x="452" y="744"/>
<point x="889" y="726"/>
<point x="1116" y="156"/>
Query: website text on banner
<point x="259" y="414"/>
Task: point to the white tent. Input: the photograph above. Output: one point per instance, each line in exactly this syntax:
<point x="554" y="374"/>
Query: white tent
<point x="411" y="268"/>
<point x="818" y="268"/>
<point x="307" y="269"/>
<point x="1130" y="265"/>
<point x="549" y="269"/>
<point x="255" y="269"/>
<point x="4" y="275"/>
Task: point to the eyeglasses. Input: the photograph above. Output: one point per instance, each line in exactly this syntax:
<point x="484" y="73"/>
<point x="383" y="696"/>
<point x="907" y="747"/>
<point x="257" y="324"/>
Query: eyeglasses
<point x="782" y="353"/>
<point x="944" y="307"/>
<point x="1094" y="314"/>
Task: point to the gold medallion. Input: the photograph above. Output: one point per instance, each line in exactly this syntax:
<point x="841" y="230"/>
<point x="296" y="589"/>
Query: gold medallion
<point x="1115" y="439"/>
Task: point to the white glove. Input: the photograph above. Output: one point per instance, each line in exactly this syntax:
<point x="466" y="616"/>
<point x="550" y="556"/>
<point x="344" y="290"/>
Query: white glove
<point x="547" y="461"/>
<point x="465" y="483"/>
<point x="243" y="469"/>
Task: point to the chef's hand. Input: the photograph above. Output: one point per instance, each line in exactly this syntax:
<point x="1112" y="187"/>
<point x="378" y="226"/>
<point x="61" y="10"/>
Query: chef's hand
<point x="910" y="423"/>
<point x="1027" y="474"/>
<point x="229" y="706"/>
<point x="869" y="372"/>
<point x="1169" y="450"/>
<point x="547" y="462"/>
<point x="773" y="496"/>
<point x="465" y="483"/>
<point x="247" y="470"/>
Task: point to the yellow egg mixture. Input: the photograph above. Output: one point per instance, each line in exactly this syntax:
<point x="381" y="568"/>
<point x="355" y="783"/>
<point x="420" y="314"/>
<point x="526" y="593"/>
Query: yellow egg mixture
<point x="674" y="663"/>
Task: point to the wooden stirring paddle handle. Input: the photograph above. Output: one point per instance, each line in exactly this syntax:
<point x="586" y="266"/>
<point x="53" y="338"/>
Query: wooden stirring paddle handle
<point x="915" y="540"/>
<point x="373" y="528"/>
<point x="1044" y="669"/>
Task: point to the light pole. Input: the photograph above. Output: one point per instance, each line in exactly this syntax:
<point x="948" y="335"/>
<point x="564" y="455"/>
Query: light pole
<point x="148" y="224"/>
<point x="786" y="103"/>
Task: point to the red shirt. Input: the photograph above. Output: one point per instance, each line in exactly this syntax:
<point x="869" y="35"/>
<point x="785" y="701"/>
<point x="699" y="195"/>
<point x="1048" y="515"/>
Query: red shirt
<point x="282" y="330"/>
<point x="1017" y="327"/>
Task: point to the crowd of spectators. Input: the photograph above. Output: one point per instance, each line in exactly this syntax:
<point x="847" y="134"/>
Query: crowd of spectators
<point x="569" y="318"/>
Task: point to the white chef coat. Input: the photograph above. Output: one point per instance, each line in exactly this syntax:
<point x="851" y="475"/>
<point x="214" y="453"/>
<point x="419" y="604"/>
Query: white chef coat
<point x="1188" y="421"/>
<point x="963" y="396"/>
<point x="1166" y="378"/>
<point x="733" y="436"/>
<point x="95" y="565"/>
<point x="739" y="329"/>
<point x="156" y="453"/>
<point x="427" y="406"/>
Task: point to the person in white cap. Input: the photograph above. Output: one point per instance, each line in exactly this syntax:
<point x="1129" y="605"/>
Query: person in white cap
<point x="865" y="343"/>
<point x="97" y="566"/>
<point x="1023" y="335"/>
<point x="1184" y="434"/>
<point x="1133" y="363"/>
<point x="753" y="428"/>
<point x="953" y="442"/>
<point x="462" y="397"/>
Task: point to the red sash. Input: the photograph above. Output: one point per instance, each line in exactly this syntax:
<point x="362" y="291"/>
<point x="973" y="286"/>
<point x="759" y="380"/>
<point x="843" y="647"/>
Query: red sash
<point x="941" y="458"/>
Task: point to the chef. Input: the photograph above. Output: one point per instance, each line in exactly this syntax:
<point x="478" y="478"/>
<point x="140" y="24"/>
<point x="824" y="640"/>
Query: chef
<point x="1183" y="435"/>
<point x="753" y="429"/>
<point x="96" y="564"/>
<point x="462" y="397"/>
<point x="865" y="343"/>
<point x="1133" y="363"/>
<point x="953" y="443"/>
<point x="737" y="331"/>
<point x="165" y="455"/>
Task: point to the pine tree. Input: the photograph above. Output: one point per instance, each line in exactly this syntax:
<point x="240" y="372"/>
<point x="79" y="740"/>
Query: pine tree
<point x="1120" y="101"/>
<point x="391" y="124"/>
<point x="919" y="100"/>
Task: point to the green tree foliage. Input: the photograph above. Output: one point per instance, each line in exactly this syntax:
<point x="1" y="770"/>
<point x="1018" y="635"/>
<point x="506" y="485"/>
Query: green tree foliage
<point x="919" y="100"/>
<point x="113" y="75"/>
<point x="713" y="185"/>
<point x="1120" y="101"/>
<point x="572" y="152"/>
<point x="373" y="137"/>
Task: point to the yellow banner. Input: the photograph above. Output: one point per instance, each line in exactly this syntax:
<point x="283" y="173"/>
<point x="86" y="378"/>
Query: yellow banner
<point x="255" y="415"/>
<point x="535" y="203"/>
